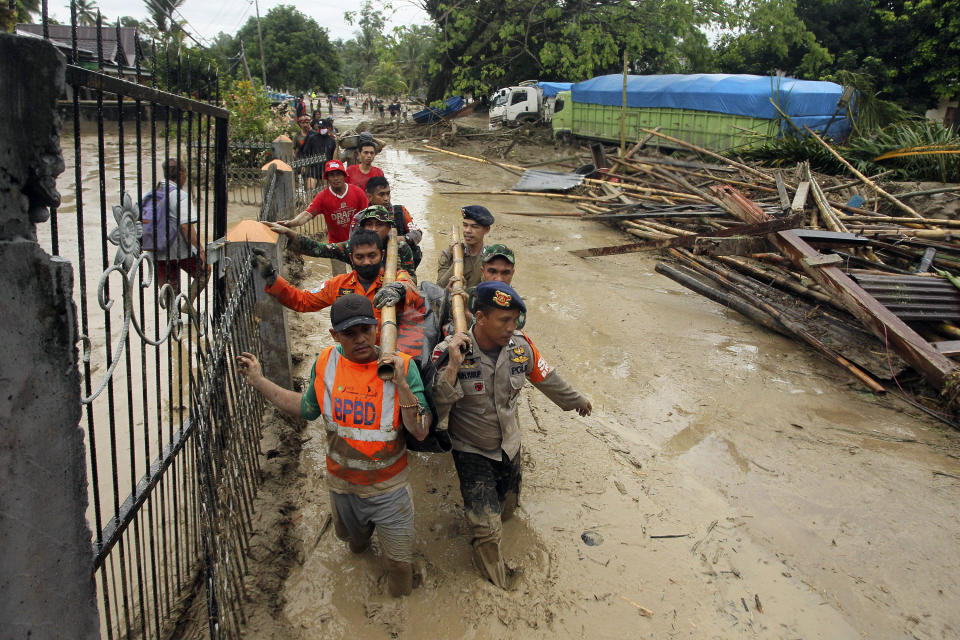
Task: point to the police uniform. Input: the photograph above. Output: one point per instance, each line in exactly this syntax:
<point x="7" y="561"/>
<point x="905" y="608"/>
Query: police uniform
<point x="472" y="265"/>
<point x="480" y="413"/>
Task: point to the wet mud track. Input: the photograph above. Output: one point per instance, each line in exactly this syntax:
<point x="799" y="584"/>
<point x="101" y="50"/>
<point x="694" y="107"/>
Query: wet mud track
<point x="732" y="483"/>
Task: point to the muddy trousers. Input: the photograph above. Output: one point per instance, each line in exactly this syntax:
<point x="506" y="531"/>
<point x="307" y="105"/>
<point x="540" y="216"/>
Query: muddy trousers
<point x="490" y="490"/>
<point x="354" y="520"/>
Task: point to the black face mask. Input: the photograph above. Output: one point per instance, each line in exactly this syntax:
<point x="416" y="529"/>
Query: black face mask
<point x="367" y="271"/>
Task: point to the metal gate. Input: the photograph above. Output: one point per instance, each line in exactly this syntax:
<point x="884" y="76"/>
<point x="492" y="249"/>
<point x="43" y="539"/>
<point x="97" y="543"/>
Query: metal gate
<point x="172" y="431"/>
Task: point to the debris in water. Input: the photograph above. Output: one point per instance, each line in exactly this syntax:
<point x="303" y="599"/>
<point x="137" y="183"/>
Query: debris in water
<point x="591" y="538"/>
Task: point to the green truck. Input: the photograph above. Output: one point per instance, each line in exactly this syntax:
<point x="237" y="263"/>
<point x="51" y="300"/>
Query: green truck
<point x="719" y="112"/>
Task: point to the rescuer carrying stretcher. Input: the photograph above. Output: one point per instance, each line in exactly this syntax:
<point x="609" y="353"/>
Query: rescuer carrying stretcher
<point x="363" y="416"/>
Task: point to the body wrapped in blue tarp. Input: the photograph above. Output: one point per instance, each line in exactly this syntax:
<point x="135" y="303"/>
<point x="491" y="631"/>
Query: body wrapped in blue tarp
<point x="807" y="102"/>
<point x="551" y="89"/>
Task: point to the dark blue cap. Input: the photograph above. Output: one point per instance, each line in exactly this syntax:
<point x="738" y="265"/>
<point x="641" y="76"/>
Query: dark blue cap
<point x="499" y="295"/>
<point x="478" y="214"/>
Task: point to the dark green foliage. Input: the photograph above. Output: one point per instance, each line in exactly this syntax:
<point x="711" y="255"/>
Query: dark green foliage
<point x="299" y="55"/>
<point x="485" y="45"/>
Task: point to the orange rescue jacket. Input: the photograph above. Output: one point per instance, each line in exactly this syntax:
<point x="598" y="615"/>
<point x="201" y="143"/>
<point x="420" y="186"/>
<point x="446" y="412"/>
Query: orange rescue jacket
<point x="361" y="414"/>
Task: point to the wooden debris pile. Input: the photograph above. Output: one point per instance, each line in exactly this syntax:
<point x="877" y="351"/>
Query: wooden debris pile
<point x="845" y="266"/>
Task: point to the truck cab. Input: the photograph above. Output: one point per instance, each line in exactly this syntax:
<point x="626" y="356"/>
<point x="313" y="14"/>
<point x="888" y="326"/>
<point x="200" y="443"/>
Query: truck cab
<point x="519" y="104"/>
<point x="562" y="117"/>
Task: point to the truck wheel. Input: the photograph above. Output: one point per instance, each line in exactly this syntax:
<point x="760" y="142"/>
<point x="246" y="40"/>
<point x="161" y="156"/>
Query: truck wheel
<point x="527" y="118"/>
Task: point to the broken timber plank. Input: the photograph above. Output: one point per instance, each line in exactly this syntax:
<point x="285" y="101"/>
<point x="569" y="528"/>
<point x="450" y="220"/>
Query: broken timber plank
<point x="891" y="330"/>
<point x="755" y="229"/>
<point x="948" y="347"/>
<point x="633" y="247"/>
<point x="935" y="367"/>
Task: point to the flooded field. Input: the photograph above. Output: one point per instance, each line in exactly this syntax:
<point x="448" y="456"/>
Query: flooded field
<point x="738" y="484"/>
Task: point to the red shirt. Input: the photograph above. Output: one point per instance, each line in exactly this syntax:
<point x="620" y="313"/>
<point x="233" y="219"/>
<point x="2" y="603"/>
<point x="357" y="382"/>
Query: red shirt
<point x="359" y="178"/>
<point x="338" y="211"/>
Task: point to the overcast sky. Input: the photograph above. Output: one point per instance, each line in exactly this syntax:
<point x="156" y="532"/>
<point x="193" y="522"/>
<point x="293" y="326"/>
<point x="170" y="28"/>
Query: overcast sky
<point x="207" y="19"/>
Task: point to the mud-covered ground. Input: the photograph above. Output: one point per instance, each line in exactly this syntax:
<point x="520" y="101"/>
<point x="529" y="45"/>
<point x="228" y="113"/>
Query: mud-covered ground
<point x="734" y="483"/>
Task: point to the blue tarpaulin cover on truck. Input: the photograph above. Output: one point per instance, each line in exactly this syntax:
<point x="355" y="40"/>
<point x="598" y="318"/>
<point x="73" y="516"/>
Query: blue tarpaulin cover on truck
<point x="806" y="101"/>
<point x="550" y="89"/>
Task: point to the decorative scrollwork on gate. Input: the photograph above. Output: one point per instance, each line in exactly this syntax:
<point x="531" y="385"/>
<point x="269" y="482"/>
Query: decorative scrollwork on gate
<point x="129" y="261"/>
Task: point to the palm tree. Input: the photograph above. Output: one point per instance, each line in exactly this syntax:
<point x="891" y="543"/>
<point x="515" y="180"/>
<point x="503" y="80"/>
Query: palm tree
<point x="161" y="14"/>
<point x="87" y="12"/>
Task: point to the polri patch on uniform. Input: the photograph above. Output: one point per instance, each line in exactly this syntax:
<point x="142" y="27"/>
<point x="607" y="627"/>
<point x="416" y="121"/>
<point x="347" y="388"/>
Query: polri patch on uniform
<point x="517" y="370"/>
<point x="478" y="386"/>
<point x="467" y="375"/>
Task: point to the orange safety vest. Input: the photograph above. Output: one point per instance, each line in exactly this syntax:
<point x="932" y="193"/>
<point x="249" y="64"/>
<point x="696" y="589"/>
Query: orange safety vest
<point x="363" y="412"/>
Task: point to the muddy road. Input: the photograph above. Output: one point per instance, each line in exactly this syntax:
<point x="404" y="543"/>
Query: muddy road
<point x="734" y="483"/>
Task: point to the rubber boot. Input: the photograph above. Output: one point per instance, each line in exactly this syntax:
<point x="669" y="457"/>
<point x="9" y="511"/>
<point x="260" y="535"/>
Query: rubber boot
<point x="399" y="577"/>
<point x="487" y="530"/>
<point x="509" y="505"/>
<point x="487" y="559"/>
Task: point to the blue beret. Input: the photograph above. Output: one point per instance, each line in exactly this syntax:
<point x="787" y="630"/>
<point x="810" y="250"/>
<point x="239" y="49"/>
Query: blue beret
<point x="498" y="294"/>
<point x="478" y="214"/>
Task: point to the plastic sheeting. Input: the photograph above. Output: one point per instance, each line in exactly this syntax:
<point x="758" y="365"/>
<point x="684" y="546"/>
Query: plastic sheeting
<point x="550" y="89"/>
<point x="539" y="180"/>
<point x="745" y="95"/>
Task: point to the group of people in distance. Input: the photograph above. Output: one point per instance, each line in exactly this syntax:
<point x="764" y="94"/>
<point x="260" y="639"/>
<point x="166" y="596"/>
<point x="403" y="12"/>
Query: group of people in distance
<point x="445" y="392"/>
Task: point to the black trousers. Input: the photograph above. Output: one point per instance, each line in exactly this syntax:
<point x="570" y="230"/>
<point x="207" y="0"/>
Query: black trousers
<point x="486" y="484"/>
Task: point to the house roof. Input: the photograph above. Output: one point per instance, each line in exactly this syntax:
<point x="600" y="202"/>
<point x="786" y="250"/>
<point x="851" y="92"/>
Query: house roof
<point x="61" y="36"/>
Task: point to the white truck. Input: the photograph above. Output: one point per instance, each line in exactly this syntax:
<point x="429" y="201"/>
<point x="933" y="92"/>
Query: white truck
<point x="527" y="102"/>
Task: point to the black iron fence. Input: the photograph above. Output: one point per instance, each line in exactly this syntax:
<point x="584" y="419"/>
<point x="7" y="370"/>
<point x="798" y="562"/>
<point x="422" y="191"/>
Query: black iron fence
<point x="172" y="432"/>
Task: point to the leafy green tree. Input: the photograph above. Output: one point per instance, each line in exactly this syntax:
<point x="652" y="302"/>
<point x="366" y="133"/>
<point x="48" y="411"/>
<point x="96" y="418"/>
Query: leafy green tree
<point x="910" y="48"/>
<point x="298" y="52"/>
<point x="385" y="80"/>
<point x="369" y="41"/>
<point x="414" y="46"/>
<point x="774" y="38"/>
<point x="482" y="45"/>
<point x="20" y="11"/>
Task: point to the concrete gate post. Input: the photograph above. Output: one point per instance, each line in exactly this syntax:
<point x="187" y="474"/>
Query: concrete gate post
<point x="47" y="588"/>
<point x="271" y="319"/>
<point x="283" y="148"/>
<point x="284" y="195"/>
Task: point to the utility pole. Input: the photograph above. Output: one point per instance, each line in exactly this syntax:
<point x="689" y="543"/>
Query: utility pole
<point x="263" y="66"/>
<point x="243" y="57"/>
<point x="623" y="106"/>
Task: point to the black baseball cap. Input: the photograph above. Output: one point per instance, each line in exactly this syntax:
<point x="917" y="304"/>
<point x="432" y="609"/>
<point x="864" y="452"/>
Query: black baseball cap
<point x="350" y="310"/>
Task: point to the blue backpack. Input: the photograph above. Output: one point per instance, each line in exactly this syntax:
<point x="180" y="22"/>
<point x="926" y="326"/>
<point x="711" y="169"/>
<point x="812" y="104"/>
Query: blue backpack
<point x="164" y="228"/>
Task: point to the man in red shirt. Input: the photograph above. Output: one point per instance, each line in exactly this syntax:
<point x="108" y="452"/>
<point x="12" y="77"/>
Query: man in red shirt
<point x="358" y="174"/>
<point x="337" y="203"/>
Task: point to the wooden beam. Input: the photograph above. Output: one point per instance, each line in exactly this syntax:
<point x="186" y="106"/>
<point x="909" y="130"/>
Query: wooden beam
<point x="890" y="329"/>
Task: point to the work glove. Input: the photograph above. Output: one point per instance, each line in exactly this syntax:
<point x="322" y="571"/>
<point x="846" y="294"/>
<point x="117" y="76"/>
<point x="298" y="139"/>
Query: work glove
<point x="388" y="295"/>
<point x="261" y="263"/>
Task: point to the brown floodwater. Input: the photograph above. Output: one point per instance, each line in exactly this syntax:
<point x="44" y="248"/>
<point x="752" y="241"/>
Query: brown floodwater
<point x="791" y="488"/>
<point x="788" y="487"/>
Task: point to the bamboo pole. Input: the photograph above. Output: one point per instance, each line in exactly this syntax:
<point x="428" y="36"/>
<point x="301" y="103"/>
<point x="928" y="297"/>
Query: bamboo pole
<point x="388" y="314"/>
<point x="458" y="293"/>
<point x="862" y="177"/>
<point x="504" y="165"/>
